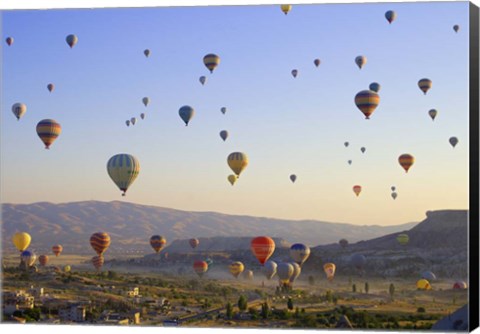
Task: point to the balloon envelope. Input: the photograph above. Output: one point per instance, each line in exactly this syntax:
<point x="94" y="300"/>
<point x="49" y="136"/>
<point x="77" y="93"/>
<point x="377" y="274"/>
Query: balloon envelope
<point x="223" y="110"/>
<point x="146" y="53"/>
<point x="186" y="113"/>
<point x="43" y="259"/>
<point x="21" y="240"/>
<point x="429" y="276"/>
<point x="403" y="239"/>
<point x="343" y="243"/>
<point x="453" y="141"/>
<point x="28" y="257"/>
<point x="146" y="101"/>
<point x="232" y="179"/>
<point x="360" y="61"/>
<point x="460" y="285"/>
<point x="71" y="40"/>
<point x="48" y="130"/>
<point x="432" y="113"/>
<point x="456" y="27"/>
<point x="329" y="269"/>
<point x="57" y="249"/>
<point x="98" y="261"/>
<point x="424" y="85"/>
<point x="294" y="73"/>
<point x="317" y="62"/>
<point x="236" y="268"/>
<point x="211" y="61"/>
<point x="299" y="253"/>
<point x="19" y="109"/>
<point x="248" y="275"/>
<point x="224" y="134"/>
<point x="203" y="79"/>
<point x="200" y="267"/>
<point x="100" y="242"/>
<point x="390" y="16"/>
<point x="194" y="242"/>
<point x="423" y="284"/>
<point x="262" y="247"/>
<point x="375" y="87"/>
<point x="394" y="195"/>
<point x="296" y="272"/>
<point x="9" y="41"/>
<point x="293" y="178"/>
<point x="123" y="169"/>
<point x="367" y="101"/>
<point x="269" y="269"/>
<point x="50" y="87"/>
<point x="406" y="161"/>
<point x="157" y="242"/>
<point x="357" y="190"/>
<point x="237" y="161"/>
<point x="284" y="271"/>
<point x="286" y="8"/>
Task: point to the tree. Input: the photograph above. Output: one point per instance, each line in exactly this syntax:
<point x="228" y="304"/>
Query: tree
<point x="242" y="303"/>
<point x="391" y="290"/>
<point x="367" y="288"/>
<point x="311" y="280"/>
<point x="290" y="304"/>
<point x="265" y="313"/>
<point x="229" y="310"/>
<point x="354" y="288"/>
<point x="421" y="310"/>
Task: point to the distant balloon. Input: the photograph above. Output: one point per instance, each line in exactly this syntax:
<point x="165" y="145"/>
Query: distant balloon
<point x="461" y="285"/>
<point x="357" y="190"/>
<point x="236" y="268"/>
<point x="157" y="242"/>
<point x="269" y="269"/>
<point x="248" y="275"/>
<point x="98" y="261"/>
<point x="9" y="41"/>
<point x="360" y="61"/>
<point x="50" y="87"/>
<point x="375" y="87"/>
<point x="286" y="8"/>
<point x="43" y="259"/>
<point x="100" y="242"/>
<point x="142" y="115"/>
<point x="317" y="62"/>
<point x="346" y="144"/>
<point x="186" y="114"/>
<point x="429" y="276"/>
<point x="200" y="267"/>
<point x="432" y="113"/>
<point x="394" y="195"/>
<point x="146" y="101"/>
<point x="211" y="61"/>
<point x="28" y="258"/>
<point x="406" y="161"/>
<point x="146" y="52"/>
<point x="453" y="141"/>
<point x="209" y="261"/>
<point x="48" y="130"/>
<point x="237" y="161"/>
<point x="223" y="110"/>
<point x="71" y="40"/>
<point x="423" y="284"/>
<point x="299" y="253"/>
<point x="393" y="188"/>
<point x="194" y="242"/>
<point x="293" y="178"/>
<point x="363" y="149"/>
<point x="19" y="109"/>
<point x="358" y="261"/>
<point x="21" y="240"/>
<point x="297" y="270"/>
<point x="456" y="28"/>
<point x="203" y="79"/>
<point x="123" y="169"/>
<point x="403" y="239"/>
<point x="343" y="243"/>
<point x="133" y="120"/>
<point x="232" y="179"/>
<point x="329" y="269"/>
<point x="67" y="268"/>
<point x="262" y="247"/>
<point x="294" y="73"/>
<point x="390" y="16"/>
<point x="127" y="122"/>
<point x="224" y="134"/>
<point x="57" y="250"/>
<point x="367" y="101"/>
<point x="425" y="85"/>
<point x="284" y="272"/>
<point x="349" y="162"/>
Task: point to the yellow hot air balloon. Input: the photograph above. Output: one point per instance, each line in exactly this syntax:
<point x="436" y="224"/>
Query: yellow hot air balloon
<point x="21" y="240"/>
<point x="237" y="161"/>
<point x="423" y="284"/>
<point x="123" y="169"/>
<point x="329" y="269"/>
<point x="403" y="239"/>
<point x="236" y="268"/>
<point x="286" y="8"/>
<point x="211" y="61"/>
<point x="67" y="269"/>
<point x="232" y="179"/>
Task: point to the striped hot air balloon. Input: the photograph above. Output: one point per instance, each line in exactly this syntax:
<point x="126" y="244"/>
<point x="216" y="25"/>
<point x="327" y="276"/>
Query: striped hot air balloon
<point x="211" y="61"/>
<point x="98" y="261"/>
<point x="236" y="268"/>
<point x="100" y="242"/>
<point x="123" y="169"/>
<point x="48" y="130"/>
<point x="237" y="161"/>
<point x="329" y="269"/>
<point x="262" y="247"/>
<point x="57" y="249"/>
<point x="200" y="267"/>
<point x="43" y="259"/>
<point x="424" y="85"/>
<point x="406" y="161"/>
<point x="157" y="242"/>
<point x="403" y="239"/>
<point x="194" y="242"/>
<point x="299" y="253"/>
<point x="367" y="101"/>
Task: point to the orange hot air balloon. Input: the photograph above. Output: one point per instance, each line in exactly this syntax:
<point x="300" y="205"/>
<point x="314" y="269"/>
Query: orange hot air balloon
<point x="367" y="101"/>
<point x="194" y="242"/>
<point x="57" y="250"/>
<point x="200" y="267"/>
<point x="406" y="161"/>
<point x="357" y="190"/>
<point x="100" y="242"/>
<point x="262" y="248"/>
<point x="43" y="259"/>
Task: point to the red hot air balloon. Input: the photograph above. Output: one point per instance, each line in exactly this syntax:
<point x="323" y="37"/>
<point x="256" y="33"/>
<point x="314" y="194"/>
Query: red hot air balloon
<point x="200" y="267"/>
<point x="57" y="249"/>
<point x="357" y="190"/>
<point x="262" y="247"/>
<point x="43" y="259"/>
<point x="100" y="242"/>
<point x="406" y="161"/>
<point x="194" y="242"/>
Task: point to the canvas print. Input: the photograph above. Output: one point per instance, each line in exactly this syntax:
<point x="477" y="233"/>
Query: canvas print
<point x="257" y="166"/>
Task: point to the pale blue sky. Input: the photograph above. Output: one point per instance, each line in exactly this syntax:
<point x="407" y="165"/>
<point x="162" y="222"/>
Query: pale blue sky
<point x="284" y="125"/>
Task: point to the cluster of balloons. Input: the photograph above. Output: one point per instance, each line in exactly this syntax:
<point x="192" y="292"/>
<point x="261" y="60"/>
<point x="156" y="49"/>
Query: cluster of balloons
<point x="133" y="120"/>
<point x="21" y="240"/>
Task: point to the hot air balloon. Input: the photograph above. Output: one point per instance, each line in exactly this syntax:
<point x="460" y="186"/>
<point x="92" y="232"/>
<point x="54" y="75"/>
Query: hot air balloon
<point x="269" y="269"/>
<point x="357" y="190"/>
<point x="403" y="239"/>
<point x="429" y="276"/>
<point x="237" y="161"/>
<point x="317" y="62"/>
<point x="423" y="284"/>
<point x="294" y="73"/>
<point x="393" y="188"/>
<point x="390" y="16"/>
<point x="186" y="113"/>
<point x="432" y="113"/>
<point x="461" y="285"/>
<point x="19" y="109"/>
<point x="394" y="195"/>
<point x="223" y="110"/>
<point x="28" y="258"/>
<point x="349" y="162"/>
<point x="194" y="242"/>
<point x="142" y="115"/>
<point x="71" y="40"/>
<point x="98" y="261"/>
<point x="360" y="61"/>
<point x="127" y="122"/>
<point x="346" y="144"/>
<point x="236" y="268"/>
<point x="286" y="8"/>
<point x="211" y="61"/>
<point x="343" y="243"/>
<point x="146" y="52"/>
<point x="123" y="169"/>
<point x="293" y="178"/>
<point x="232" y="179"/>
<point x="453" y="141"/>
<point x="146" y="101"/>
<point x="299" y="253"/>
<point x="50" y="87"/>
<point x="100" y="242"/>
<point x="43" y="259"/>
<point x="248" y="275"/>
<point x="48" y="130"/>
<point x="358" y="261"/>
<point x="363" y="149"/>
<point x="157" y="242"/>
<point x="284" y="272"/>
<point x="67" y="269"/>
<point x="200" y="267"/>
<point x="456" y="28"/>
<point x="57" y="249"/>
<point x="133" y="120"/>
<point x="329" y="269"/>
<point x="262" y="247"/>
<point x="367" y="101"/>
<point x="406" y="161"/>
<point x="9" y="41"/>
<point x="296" y="272"/>
<point x="203" y="79"/>
<point x="374" y="87"/>
<point x="425" y="85"/>
<point x="224" y="134"/>
<point x="21" y="240"/>
<point x="209" y="261"/>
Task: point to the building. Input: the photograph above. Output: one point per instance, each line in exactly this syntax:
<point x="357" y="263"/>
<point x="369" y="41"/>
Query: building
<point x="18" y="300"/>
<point x="120" y="318"/>
<point x="74" y="313"/>
<point x="36" y="292"/>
